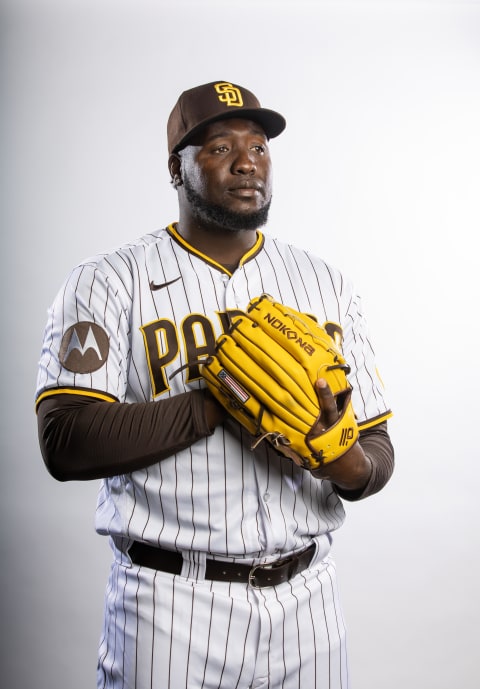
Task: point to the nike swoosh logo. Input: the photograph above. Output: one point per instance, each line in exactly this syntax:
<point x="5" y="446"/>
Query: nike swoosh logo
<point x="154" y="286"/>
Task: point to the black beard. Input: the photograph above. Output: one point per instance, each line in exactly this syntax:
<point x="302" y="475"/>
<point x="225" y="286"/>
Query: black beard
<point x="221" y="217"/>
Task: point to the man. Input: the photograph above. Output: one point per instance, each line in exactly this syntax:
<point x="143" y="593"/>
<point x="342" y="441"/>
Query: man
<point x="192" y="511"/>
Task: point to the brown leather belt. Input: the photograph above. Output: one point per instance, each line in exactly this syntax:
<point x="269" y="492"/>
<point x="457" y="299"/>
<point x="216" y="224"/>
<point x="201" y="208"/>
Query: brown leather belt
<point x="258" y="576"/>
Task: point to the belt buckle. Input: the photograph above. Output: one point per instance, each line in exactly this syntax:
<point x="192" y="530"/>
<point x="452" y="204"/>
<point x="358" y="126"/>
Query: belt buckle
<point x="269" y="566"/>
<point x="251" y="576"/>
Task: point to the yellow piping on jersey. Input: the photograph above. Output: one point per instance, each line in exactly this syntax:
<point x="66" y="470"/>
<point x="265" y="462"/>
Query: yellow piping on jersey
<point x="74" y="391"/>
<point x="370" y="423"/>
<point x="178" y="237"/>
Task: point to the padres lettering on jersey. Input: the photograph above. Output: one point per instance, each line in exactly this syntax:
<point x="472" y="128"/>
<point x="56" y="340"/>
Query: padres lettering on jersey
<point x="163" y="340"/>
<point x="197" y="335"/>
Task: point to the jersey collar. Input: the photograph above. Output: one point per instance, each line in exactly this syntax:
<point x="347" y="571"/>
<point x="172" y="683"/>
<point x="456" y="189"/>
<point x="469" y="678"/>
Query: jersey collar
<point x="251" y="253"/>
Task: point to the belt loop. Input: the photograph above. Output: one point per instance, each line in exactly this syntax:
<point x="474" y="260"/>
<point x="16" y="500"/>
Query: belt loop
<point x="193" y="564"/>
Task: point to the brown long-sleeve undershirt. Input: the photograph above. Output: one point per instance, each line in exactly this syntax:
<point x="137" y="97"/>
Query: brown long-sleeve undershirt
<point x="82" y="438"/>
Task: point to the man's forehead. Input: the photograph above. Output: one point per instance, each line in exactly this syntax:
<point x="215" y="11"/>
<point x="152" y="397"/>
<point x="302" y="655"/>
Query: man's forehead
<point x="229" y="127"/>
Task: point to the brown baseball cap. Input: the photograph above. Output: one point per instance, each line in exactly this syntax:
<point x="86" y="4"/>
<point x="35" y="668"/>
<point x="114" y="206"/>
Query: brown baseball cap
<point x="218" y="100"/>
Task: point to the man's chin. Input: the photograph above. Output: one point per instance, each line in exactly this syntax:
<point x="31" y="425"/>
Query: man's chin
<point x="233" y="221"/>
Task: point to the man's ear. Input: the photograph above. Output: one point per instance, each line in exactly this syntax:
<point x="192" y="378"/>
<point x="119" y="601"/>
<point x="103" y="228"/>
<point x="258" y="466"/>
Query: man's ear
<point x="174" y="167"/>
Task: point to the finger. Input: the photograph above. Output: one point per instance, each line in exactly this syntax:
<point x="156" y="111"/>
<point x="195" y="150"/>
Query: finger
<point x="327" y="402"/>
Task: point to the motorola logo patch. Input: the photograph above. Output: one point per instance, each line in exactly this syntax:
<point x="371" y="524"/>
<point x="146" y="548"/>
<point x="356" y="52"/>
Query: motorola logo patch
<point x="84" y="347"/>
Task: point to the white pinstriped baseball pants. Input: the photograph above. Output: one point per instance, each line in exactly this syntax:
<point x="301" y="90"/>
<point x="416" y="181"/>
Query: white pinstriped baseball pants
<point x="168" y="632"/>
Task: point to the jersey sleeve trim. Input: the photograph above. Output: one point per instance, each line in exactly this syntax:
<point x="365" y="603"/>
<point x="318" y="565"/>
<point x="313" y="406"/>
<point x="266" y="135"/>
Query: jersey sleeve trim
<point x="375" y="421"/>
<point x="171" y="229"/>
<point x="86" y="392"/>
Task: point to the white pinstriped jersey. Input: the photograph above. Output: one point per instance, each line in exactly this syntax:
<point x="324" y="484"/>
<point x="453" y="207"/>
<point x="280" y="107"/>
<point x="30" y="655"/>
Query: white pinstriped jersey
<point x="157" y="305"/>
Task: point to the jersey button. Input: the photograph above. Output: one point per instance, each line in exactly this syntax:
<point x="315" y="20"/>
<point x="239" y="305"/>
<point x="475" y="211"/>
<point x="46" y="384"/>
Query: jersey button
<point x="266" y="497"/>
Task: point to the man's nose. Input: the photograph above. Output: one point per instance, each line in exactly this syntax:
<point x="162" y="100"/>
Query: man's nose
<point x="244" y="163"/>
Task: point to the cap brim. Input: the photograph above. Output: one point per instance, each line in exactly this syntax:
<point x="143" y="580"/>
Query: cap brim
<point x="272" y="123"/>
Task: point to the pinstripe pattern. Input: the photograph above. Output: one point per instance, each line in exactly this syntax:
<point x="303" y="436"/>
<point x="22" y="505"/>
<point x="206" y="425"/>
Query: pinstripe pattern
<point x="217" y="496"/>
<point x="167" y="632"/>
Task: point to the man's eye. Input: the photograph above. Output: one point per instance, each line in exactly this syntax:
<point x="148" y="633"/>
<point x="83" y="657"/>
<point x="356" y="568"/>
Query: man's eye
<point x="220" y="149"/>
<point x="259" y="148"/>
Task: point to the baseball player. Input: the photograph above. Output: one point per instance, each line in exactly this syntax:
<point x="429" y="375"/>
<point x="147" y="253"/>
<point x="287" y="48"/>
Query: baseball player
<point x="221" y="573"/>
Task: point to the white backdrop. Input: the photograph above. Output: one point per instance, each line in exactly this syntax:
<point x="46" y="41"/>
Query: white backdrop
<point x="378" y="171"/>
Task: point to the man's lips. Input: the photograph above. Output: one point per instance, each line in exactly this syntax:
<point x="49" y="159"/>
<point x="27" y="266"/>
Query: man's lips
<point x="247" y="189"/>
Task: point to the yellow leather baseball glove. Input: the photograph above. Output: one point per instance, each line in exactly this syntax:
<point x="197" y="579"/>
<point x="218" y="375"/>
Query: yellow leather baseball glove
<point x="264" y="371"/>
